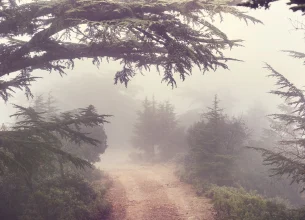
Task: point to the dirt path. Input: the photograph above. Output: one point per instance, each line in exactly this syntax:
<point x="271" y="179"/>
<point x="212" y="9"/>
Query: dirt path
<point x="154" y="193"/>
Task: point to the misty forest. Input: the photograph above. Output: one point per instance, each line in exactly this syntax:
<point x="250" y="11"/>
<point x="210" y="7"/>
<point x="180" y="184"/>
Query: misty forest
<point x="152" y="110"/>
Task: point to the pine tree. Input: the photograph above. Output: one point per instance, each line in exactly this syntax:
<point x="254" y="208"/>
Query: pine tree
<point x="34" y="141"/>
<point x="215" y="114"/>
<point x="47" y="155"/>
<point x="166" y="120"/>
<point x="39" y="104"/>
<point x="171" y="139"/>
<point x="157" y="128"/>
<point x="289" y="157"/>
<point x="145" y="129"/>
<point x="51" y="108"/>
<point x="85" y="151"/>
<point x="173" y="36"/>
<point x="214" y="144"/>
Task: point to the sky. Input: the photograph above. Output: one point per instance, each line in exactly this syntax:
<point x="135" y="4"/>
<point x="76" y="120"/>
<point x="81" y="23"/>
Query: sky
<point x="241" y="86"/>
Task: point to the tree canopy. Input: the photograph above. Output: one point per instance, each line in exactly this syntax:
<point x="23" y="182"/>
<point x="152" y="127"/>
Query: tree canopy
<point x="215" y="142"/>
<point x="173" y="36"/>
<point x="157" y="128"/>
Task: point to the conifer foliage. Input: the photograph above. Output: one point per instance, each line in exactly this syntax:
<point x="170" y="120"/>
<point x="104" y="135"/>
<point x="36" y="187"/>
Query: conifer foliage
<point x="215" y="143"/>
<point x="34" y="139"/>
<point x="173" y="36"/>
<point x="42" y="157"/>
<point x="289" y="157"/>
<point x="145" y="129"/>
<point x="157" y="128"/>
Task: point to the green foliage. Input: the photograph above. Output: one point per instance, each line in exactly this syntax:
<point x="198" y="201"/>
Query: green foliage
<point x="211" y="159"/>
<point x="238" y="204"/>
<point x="145" y="129"/>
<point x="42" y="155"/>
<point x="171" y="36"/>
<point x="288" y="159"/>
<point x="252" y="174"/>
<point x="74" y="198"/>
<point x="87" y="151"/>
<point x="215" y="143"/>
<point x="157" y="126"/>
<point x="35" y="139"/>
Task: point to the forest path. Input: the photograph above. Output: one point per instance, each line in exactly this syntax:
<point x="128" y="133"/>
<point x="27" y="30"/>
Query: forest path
<point x="153" y="192"/>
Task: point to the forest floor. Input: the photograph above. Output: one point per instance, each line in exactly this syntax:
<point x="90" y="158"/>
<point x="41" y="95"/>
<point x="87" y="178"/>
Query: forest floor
<point x="153" y="192"/>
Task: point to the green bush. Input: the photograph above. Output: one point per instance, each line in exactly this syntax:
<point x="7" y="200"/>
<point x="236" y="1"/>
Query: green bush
<point x="73" y="198"/>
<point x="237" y="204"/>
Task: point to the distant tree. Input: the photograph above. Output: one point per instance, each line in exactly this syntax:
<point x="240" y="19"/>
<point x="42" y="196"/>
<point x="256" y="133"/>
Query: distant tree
<point x="215" y="143"/>
<point x="171" y="139"/>
<point x="289" y="157"/>
<point x="39" y="104"/>
<point x="145" y="129"/>
<point x="166" y="120"/>
<point x="157" y="128"/>
<point x="175" y="144"/>
<point x="172" y="36"/>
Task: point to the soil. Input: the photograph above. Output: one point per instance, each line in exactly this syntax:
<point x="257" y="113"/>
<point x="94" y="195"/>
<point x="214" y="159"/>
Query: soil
<point x="153" y="192"/>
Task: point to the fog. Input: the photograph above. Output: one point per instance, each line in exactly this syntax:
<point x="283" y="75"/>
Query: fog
<point x="164" y="152"/>
<point x="238" y="88"/>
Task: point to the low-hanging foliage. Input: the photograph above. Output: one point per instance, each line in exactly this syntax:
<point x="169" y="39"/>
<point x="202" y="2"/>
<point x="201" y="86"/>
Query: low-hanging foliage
<point x="45" y="161"/>
<point x="172" y="36"/>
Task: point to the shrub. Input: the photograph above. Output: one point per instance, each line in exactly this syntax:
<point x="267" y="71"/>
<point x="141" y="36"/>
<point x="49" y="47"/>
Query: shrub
<point x="237" y="204"/>
<point x="56" y="199"/>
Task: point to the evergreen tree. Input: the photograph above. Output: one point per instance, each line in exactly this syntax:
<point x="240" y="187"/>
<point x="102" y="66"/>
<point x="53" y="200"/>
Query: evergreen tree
<point x="85" y="151"/>
<point x="171" y="135"/>
<point x="36" y="166"/>
<point x="34" y="141"/>
<point x="215" y="114"/>
<point x="251" y="174"/>
<point x="166" y="120"/>
<point x="51" y="108"/>
<point x="214" y="144"/>
<point x="173" y="36"/>
<point x="145" y="130"/>
<point x="289" y="157"/>
<point x="39" y="104"/>
<point x="157" y="128"/>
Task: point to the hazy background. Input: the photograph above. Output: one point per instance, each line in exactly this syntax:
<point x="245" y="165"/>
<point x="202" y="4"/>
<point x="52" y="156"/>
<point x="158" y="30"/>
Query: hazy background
<point x="241" y="88"/>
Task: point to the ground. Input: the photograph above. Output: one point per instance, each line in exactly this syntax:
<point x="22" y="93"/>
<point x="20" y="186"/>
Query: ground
<point x="153" y="192"/>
